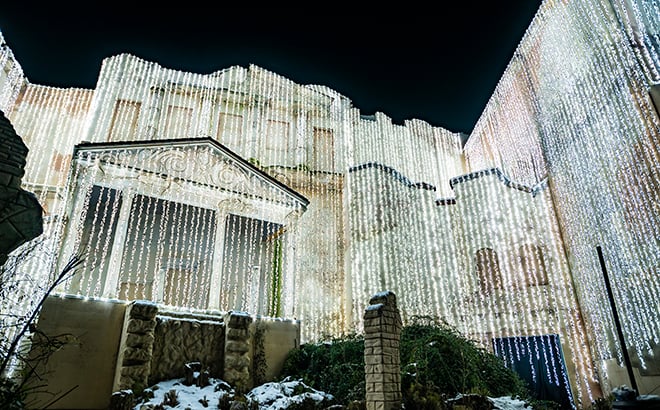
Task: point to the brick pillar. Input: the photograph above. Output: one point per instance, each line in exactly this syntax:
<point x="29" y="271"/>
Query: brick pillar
<point x="237" y="351"/>
<point x="382" y="331"/>
<point x="136" y="347"/>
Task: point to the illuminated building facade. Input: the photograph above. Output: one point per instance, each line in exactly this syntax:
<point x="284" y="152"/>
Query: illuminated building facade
<point x="241" y="190"/>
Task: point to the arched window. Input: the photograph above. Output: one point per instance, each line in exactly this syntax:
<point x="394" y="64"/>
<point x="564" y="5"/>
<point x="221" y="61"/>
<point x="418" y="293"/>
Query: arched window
<point x="488" y="270"/>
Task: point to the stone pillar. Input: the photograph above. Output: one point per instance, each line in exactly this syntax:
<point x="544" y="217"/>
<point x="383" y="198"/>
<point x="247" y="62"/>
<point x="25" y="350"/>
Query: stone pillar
<point x="21" y="215"/>
<point x="218" y="251"/>
<point x="203" y="125"/>
<point x="153" y="112"/>
<point x="136" y="347"/>
<point x="237" y="351"/>
<point x="382" y="331"/>
<point x="110" y="287"/>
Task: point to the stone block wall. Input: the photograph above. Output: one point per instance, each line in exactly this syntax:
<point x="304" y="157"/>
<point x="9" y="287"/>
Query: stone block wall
<point x="180" y="340"/>
<point x="382" y="333"/>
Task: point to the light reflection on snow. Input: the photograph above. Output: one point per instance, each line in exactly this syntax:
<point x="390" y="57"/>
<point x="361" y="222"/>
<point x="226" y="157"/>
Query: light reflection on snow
<point x="270" y="396"/>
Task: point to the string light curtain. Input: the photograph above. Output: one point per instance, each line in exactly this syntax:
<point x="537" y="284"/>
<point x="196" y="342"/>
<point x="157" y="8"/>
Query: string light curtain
<point x="582" y="115"/>
<point x="497" y="237"/>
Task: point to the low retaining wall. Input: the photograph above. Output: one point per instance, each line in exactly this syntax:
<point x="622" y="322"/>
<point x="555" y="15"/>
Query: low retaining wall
<point x="116" y="346"/>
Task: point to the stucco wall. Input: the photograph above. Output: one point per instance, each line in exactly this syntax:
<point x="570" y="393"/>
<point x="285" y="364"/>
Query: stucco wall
<point x="272" y="340"/>
<point x="86" y="365"/>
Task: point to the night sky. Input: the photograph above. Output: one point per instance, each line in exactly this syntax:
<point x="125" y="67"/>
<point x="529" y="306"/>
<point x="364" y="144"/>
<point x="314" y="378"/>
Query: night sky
<point x="411" y="61"/>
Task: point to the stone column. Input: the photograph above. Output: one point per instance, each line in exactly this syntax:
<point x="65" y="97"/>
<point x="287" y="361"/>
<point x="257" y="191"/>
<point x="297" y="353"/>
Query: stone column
<point x="218" y="252"/>
<point x="382" y="331"/>
<point x="117" y="252"/>
<point x="237" y="351"/>
<point x="136" y="347"/>
<point x="21" y="215"/>
<point x="291" y="244"/>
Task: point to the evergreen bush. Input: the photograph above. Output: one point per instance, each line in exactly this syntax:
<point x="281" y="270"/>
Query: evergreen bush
<point x="335" y="366"/>
<point x="437" y="363"/>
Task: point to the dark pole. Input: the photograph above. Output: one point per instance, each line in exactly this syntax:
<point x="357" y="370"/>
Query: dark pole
<point x="619" y="332"/>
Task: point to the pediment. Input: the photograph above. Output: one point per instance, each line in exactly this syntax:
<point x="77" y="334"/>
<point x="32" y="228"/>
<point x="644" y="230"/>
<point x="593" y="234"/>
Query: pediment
<point x="200" y="161"/>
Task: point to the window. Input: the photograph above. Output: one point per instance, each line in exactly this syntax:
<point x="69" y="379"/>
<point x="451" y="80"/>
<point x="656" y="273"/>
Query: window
<point x="177" y="122"/>
<point x="134" y="291"/>
<point x="324" y="149"/>
<point x="533" y="266"/>
<point x="61" y="162"/>
<point x="123" y="126"/>
<point x="230" y="129"/>
<point x="488" y="270"/>
<point x="277" y="135"/>
<point x="178" y="280"/>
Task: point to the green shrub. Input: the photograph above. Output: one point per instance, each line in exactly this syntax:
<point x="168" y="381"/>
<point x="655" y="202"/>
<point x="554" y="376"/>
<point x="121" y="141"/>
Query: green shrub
<point x="436" y="356"/>
<point x="12" y="397"/>
<point x="602" y="403"/>
<point x="423" y="397"/>
<point x="335" y="366"/>
<point x="436" y="364"/>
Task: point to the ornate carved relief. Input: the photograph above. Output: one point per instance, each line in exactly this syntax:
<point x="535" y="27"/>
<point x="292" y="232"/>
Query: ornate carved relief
<point x="199" y="163"/>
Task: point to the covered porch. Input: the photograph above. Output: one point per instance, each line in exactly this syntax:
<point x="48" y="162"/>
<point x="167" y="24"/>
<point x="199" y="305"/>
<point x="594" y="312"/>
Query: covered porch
<point x="185" y="223"/>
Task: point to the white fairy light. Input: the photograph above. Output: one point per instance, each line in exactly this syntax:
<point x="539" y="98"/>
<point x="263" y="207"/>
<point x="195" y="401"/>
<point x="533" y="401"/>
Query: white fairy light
<point x="577" y="115"/>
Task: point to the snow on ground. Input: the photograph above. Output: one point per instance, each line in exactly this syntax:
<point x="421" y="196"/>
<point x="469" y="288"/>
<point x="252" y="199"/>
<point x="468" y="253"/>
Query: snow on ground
<point x="270" y="396"/>
<point x="507" y="403"/>
<point x="189" y="397"/>
<point x="279" y="395"/>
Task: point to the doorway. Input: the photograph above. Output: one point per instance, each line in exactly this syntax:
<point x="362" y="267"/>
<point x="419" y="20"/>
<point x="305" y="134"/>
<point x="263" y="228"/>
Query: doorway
<point x="539" y="361"/>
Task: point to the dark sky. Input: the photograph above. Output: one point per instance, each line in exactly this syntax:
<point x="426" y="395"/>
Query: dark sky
<point x="408" y="62"/>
